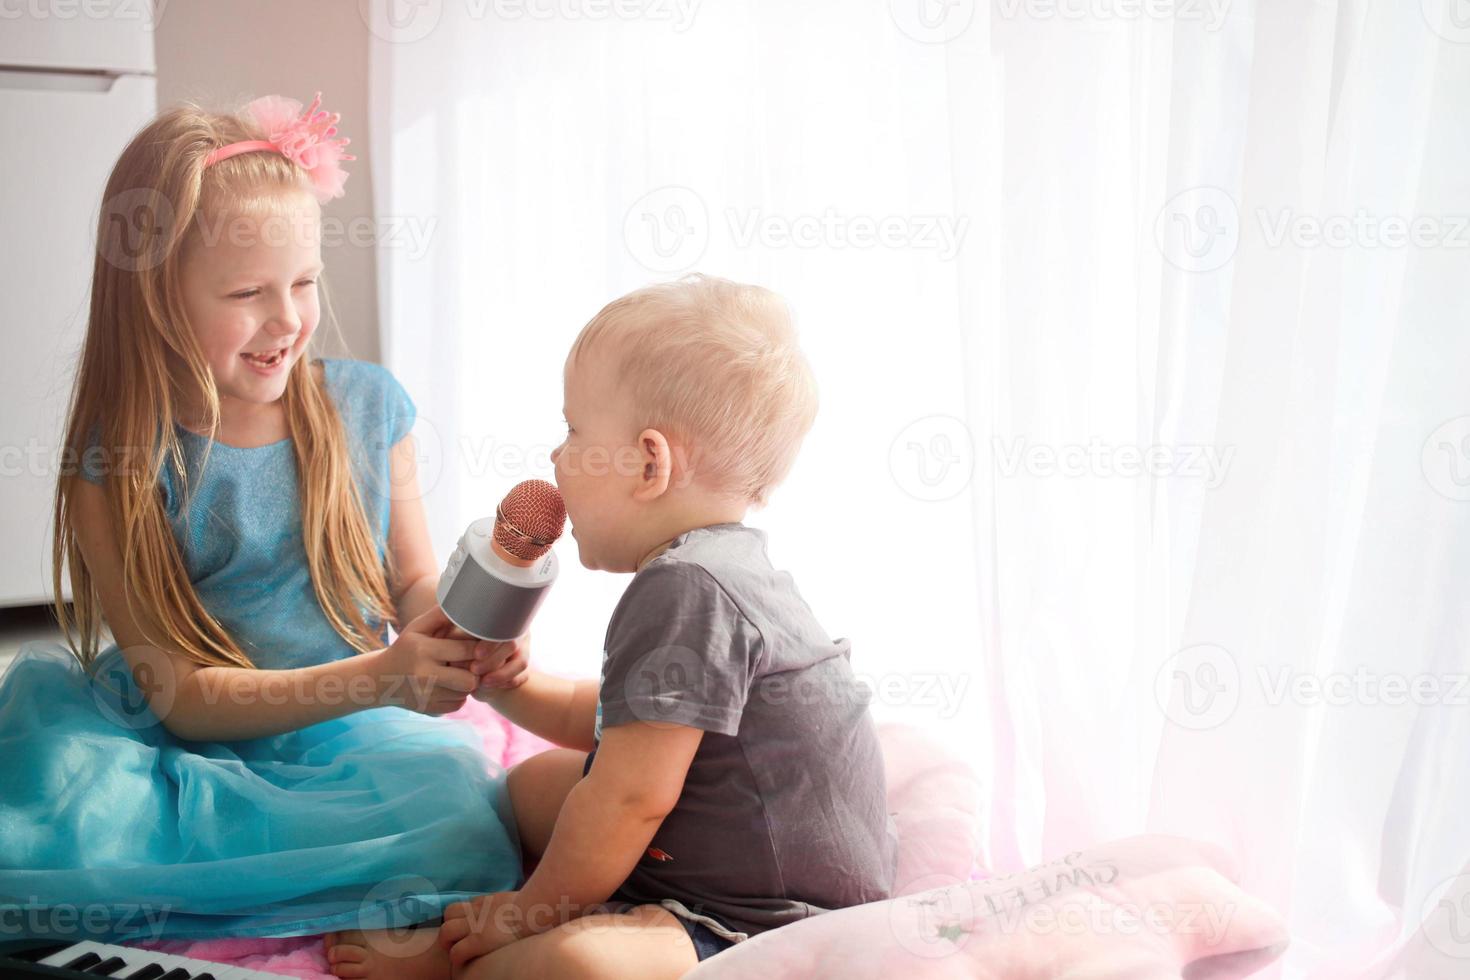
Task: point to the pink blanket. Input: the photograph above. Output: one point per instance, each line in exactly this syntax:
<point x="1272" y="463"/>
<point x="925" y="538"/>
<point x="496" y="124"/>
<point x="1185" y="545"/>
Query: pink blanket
<point x="931" y="794"/>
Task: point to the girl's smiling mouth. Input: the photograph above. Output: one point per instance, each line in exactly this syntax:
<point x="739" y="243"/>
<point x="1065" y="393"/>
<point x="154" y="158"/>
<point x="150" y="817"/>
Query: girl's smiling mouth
<point x="266" y="362"/>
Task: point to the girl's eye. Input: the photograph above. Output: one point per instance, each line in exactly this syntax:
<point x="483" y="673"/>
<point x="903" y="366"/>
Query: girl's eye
<point x="307" y="282"/>
<point x="244" y="294"/>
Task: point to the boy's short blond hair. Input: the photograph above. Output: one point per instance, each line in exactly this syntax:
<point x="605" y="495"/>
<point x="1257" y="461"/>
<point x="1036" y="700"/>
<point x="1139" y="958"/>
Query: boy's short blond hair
<point x="716" y="364"/>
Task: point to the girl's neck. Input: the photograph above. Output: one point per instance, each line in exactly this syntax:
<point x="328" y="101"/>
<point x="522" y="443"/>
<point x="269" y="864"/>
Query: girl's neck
<point x="243" y="425"/>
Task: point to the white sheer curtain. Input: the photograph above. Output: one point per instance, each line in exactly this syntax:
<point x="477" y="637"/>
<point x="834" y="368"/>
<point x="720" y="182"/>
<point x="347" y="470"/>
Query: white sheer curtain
<point x="1141" y="323"/>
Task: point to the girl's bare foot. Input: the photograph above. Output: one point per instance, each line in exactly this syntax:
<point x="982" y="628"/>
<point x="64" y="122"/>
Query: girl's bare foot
<point x="387" y="954"/>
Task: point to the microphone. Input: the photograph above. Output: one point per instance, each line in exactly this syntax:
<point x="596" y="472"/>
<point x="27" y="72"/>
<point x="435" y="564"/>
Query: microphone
<point x="503" y="567"/>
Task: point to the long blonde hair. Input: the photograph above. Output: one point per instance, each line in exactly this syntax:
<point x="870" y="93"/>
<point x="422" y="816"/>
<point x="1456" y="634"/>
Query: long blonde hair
<point x="140" y="366"/>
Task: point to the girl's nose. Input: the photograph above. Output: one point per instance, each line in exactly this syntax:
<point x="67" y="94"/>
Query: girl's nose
<point x="284" y="323"/>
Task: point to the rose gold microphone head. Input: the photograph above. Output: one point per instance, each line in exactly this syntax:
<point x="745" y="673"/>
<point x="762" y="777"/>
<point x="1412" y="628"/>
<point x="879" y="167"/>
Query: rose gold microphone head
<point x="529" y="520"/>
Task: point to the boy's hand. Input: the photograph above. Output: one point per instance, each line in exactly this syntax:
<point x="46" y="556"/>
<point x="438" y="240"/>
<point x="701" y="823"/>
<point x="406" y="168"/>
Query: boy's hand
<point x="502" y="666"/>
<point x="499" y="665"/>
<point x="479" y="927"/>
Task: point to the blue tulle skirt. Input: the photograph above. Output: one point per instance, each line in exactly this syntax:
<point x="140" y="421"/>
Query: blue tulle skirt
<point x="114" y="830"/>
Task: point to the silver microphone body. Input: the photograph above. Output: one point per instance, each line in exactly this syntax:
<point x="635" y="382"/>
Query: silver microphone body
<point x="487" y="596"/>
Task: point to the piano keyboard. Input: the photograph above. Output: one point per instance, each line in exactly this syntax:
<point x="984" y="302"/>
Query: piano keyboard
<point x="89" y="959"/>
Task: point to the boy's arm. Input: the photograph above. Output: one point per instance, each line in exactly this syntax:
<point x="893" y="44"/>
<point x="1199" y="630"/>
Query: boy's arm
<point x="558" y="709"/>
<point x="606" y="822"/>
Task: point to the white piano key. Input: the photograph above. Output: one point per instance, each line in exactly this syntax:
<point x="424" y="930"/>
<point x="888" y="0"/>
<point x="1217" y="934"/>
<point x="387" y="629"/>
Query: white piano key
<point x="65" y="956"/>
<point x="136" y="959"/>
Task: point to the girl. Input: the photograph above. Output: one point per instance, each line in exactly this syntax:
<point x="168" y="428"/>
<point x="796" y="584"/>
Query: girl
<point x="250" y="757"/>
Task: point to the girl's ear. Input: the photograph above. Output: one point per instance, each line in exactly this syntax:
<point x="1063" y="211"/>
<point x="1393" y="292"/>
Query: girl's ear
<point x="657" y="463"/>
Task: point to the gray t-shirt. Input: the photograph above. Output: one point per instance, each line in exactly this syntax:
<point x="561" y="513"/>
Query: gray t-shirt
<point x="784" y="810"/>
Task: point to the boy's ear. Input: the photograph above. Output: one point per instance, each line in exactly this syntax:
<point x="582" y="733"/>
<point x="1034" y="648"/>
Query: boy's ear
<point x="657" y="461"/>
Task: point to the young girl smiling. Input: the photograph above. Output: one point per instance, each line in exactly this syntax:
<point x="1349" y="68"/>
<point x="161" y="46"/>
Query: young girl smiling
<point x="251" y="757"/>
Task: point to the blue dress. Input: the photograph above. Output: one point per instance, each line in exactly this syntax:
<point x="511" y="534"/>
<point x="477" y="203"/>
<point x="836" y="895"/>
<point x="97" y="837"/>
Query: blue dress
<point x="113" y="829"/>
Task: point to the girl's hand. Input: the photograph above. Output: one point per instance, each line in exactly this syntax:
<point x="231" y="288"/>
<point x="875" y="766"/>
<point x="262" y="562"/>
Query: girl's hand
<point x="426" y="670"/>
<point x="499" y="664"/>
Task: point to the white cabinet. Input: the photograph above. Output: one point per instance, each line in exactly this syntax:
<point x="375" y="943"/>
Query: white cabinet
<point x="72" y="93"/>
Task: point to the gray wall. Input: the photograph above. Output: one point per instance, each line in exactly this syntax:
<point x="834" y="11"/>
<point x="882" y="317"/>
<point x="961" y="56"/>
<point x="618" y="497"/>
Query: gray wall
<point x="224" y="53"/>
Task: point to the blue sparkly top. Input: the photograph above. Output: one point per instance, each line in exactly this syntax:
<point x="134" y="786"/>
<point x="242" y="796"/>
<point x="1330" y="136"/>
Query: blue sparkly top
<point x="240" y="535"/>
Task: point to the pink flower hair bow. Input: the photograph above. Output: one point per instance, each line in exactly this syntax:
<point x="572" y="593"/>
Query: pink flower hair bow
<point x="309" y="139"/>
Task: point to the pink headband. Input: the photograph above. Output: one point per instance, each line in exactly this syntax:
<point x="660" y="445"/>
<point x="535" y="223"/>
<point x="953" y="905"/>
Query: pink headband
<point x="308" y="139"/>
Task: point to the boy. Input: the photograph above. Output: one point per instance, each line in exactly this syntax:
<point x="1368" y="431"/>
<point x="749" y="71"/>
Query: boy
<point x="724" y="778"/>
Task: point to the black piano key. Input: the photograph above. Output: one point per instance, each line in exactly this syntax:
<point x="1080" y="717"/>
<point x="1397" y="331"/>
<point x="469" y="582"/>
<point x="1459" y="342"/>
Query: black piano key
<point x="150" y="972"/>
<point x="108" y="966"/>
<point x="179" y="973"/>
<point x="83" y="961"/>
<point x="205" y="976"/>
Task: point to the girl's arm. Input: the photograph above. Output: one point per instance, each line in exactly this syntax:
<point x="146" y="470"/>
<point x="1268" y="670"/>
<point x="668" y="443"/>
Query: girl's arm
<point x="556" y="708"/>
<point x="207" y="703"/>
<point x="416" y="573"/>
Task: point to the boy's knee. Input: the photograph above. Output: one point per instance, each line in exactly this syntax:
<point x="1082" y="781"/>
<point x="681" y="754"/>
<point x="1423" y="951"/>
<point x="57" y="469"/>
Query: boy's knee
<point x="582" y="953"/>
<point x="515" y="776"/>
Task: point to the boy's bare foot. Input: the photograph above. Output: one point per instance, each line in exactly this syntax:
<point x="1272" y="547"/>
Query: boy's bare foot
<point x="387" y="954"/>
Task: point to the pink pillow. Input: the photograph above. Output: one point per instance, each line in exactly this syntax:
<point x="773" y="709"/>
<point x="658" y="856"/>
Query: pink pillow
<point x="1144" y="908"/>
<point x="934" y="799"/>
